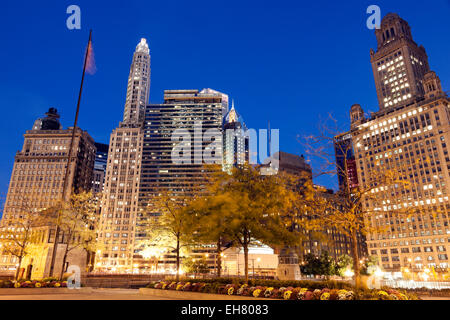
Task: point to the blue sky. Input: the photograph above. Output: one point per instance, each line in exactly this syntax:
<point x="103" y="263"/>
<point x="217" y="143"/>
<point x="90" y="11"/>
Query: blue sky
<point x="289" y="62"/>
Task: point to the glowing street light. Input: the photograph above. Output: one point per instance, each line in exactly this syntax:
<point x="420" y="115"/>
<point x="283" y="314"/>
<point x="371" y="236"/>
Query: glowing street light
<point x="378" y="272"/>
<point x="349" y="273"/>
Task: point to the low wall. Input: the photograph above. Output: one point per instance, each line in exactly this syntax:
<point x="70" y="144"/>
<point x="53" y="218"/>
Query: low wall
<point x="187" y="295"/>
<point x="31" y="291"/>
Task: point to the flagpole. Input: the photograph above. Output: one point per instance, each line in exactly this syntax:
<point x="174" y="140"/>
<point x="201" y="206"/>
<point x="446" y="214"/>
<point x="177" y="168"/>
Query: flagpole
<point x="69" y="157"/>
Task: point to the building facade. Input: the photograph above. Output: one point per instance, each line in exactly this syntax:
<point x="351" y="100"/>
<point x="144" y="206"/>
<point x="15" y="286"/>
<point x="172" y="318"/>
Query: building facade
<point x="100" y="165"/>
<point x="345" y="162"/>
<point x="178" y="141"/>
<point x="236" y="142"/>
<point x="407" y="138"/>
<point x="120" y="201"/>
<point x="37" y="179"/>
<point x="398" y="64"/>
<point x="328" y="240"/>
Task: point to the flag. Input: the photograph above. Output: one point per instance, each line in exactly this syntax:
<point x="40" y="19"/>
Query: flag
<point x="90" y="59"/>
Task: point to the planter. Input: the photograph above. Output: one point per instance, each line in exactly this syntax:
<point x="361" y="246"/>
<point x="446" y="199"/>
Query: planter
<point x="187" y="295"/>
<point x="34" y="291"/>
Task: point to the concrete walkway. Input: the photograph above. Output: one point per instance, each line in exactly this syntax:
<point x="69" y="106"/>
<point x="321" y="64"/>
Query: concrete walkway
<point x="126" y="294"/>
<point x="96" y="294"/>
<point x="433" y="298"/>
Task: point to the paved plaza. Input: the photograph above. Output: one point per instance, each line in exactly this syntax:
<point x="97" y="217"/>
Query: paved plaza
<point x="96" y="294"/>
<point x="114" y="294"/>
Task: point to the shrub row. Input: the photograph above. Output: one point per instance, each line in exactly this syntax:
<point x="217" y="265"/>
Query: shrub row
<point x="33" y="284"/>
<point x="330" y="284"/>
<point x="319" y="292"/>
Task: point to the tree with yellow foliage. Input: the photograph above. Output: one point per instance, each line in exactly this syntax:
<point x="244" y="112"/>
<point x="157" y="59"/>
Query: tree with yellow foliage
<point x="16" y="237"/>
<point x="77" y="221"/>
<point x="246" y="208"/>
<point x="347" y="210"/>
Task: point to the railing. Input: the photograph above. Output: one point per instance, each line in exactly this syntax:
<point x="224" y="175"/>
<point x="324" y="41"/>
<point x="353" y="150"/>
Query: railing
<point x="411" y="284"/>
<point x="108" y="280"/>
<point x="6" y="275"/>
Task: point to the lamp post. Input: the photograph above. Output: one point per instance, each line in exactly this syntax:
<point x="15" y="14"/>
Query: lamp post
<point x="258" y="260"/>
<point x="253" y="265"/>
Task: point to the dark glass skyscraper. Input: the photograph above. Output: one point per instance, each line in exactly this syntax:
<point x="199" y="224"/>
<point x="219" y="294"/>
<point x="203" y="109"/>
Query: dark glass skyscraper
<point x="101" y="162"/>
<point x="235" y="141"/>
<point x="197" y="114"/>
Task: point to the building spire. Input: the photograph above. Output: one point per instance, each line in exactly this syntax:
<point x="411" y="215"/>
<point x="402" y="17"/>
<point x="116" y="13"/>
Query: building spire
<point x="138" y="89"/>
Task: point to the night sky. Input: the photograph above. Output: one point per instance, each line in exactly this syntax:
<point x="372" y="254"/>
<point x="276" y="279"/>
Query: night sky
<point x="286" y="62"/>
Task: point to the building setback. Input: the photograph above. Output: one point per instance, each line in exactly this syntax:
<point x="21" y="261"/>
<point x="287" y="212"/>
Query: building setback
<point x="408" y="137"/>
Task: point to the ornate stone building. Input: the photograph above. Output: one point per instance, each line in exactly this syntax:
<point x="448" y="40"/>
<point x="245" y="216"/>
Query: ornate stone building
<point x="37" y="183"/>
<point x="408" y="137"/>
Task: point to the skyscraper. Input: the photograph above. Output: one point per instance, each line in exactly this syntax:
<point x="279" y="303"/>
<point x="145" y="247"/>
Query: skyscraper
<point x="37" y="179"/>
<point x="196" y="114"/>
<point x="407" y="138"/>
<point x="101" y="162"/>
<point x="121" y="191"/>
<point x="345" y="162"/>
<point x="194" y="111"/>
<point x="138" y="89"/>
<point x="399" y="64"/>
<point x="39" y="168"/>
<point x="235" y="140"/>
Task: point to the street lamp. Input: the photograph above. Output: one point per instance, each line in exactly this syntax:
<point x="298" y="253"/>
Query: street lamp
<point x="258" y="260"/>
<point x="348" y="273"/>
<point x="378" y="272"/>
<point x="253" y="265"/>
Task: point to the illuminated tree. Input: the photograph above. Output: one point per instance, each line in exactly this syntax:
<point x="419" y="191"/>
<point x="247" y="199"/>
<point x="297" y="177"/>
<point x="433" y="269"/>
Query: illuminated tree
<point x="321" y="265"/>
<point x="16" y="237"/>
<point x="169" y="230"/>
<point x="207" y="219"/>
<point x="248" y="208"/>
<point x="347" y="211"/>
<point x="77" y="219"/>
<point x="195" y="265"/>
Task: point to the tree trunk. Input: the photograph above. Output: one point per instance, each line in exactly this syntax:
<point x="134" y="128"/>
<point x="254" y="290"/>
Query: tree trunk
<point x="219" y="258"/>
<point x="92" y="260"/>
<point x="66" y="251"/>
<point x="16" y="276"/>
<point x="246" y="261"/>
<point x="356" y="267"/>
<point x="61" y="275"/>
<point x="178" y="259"/>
